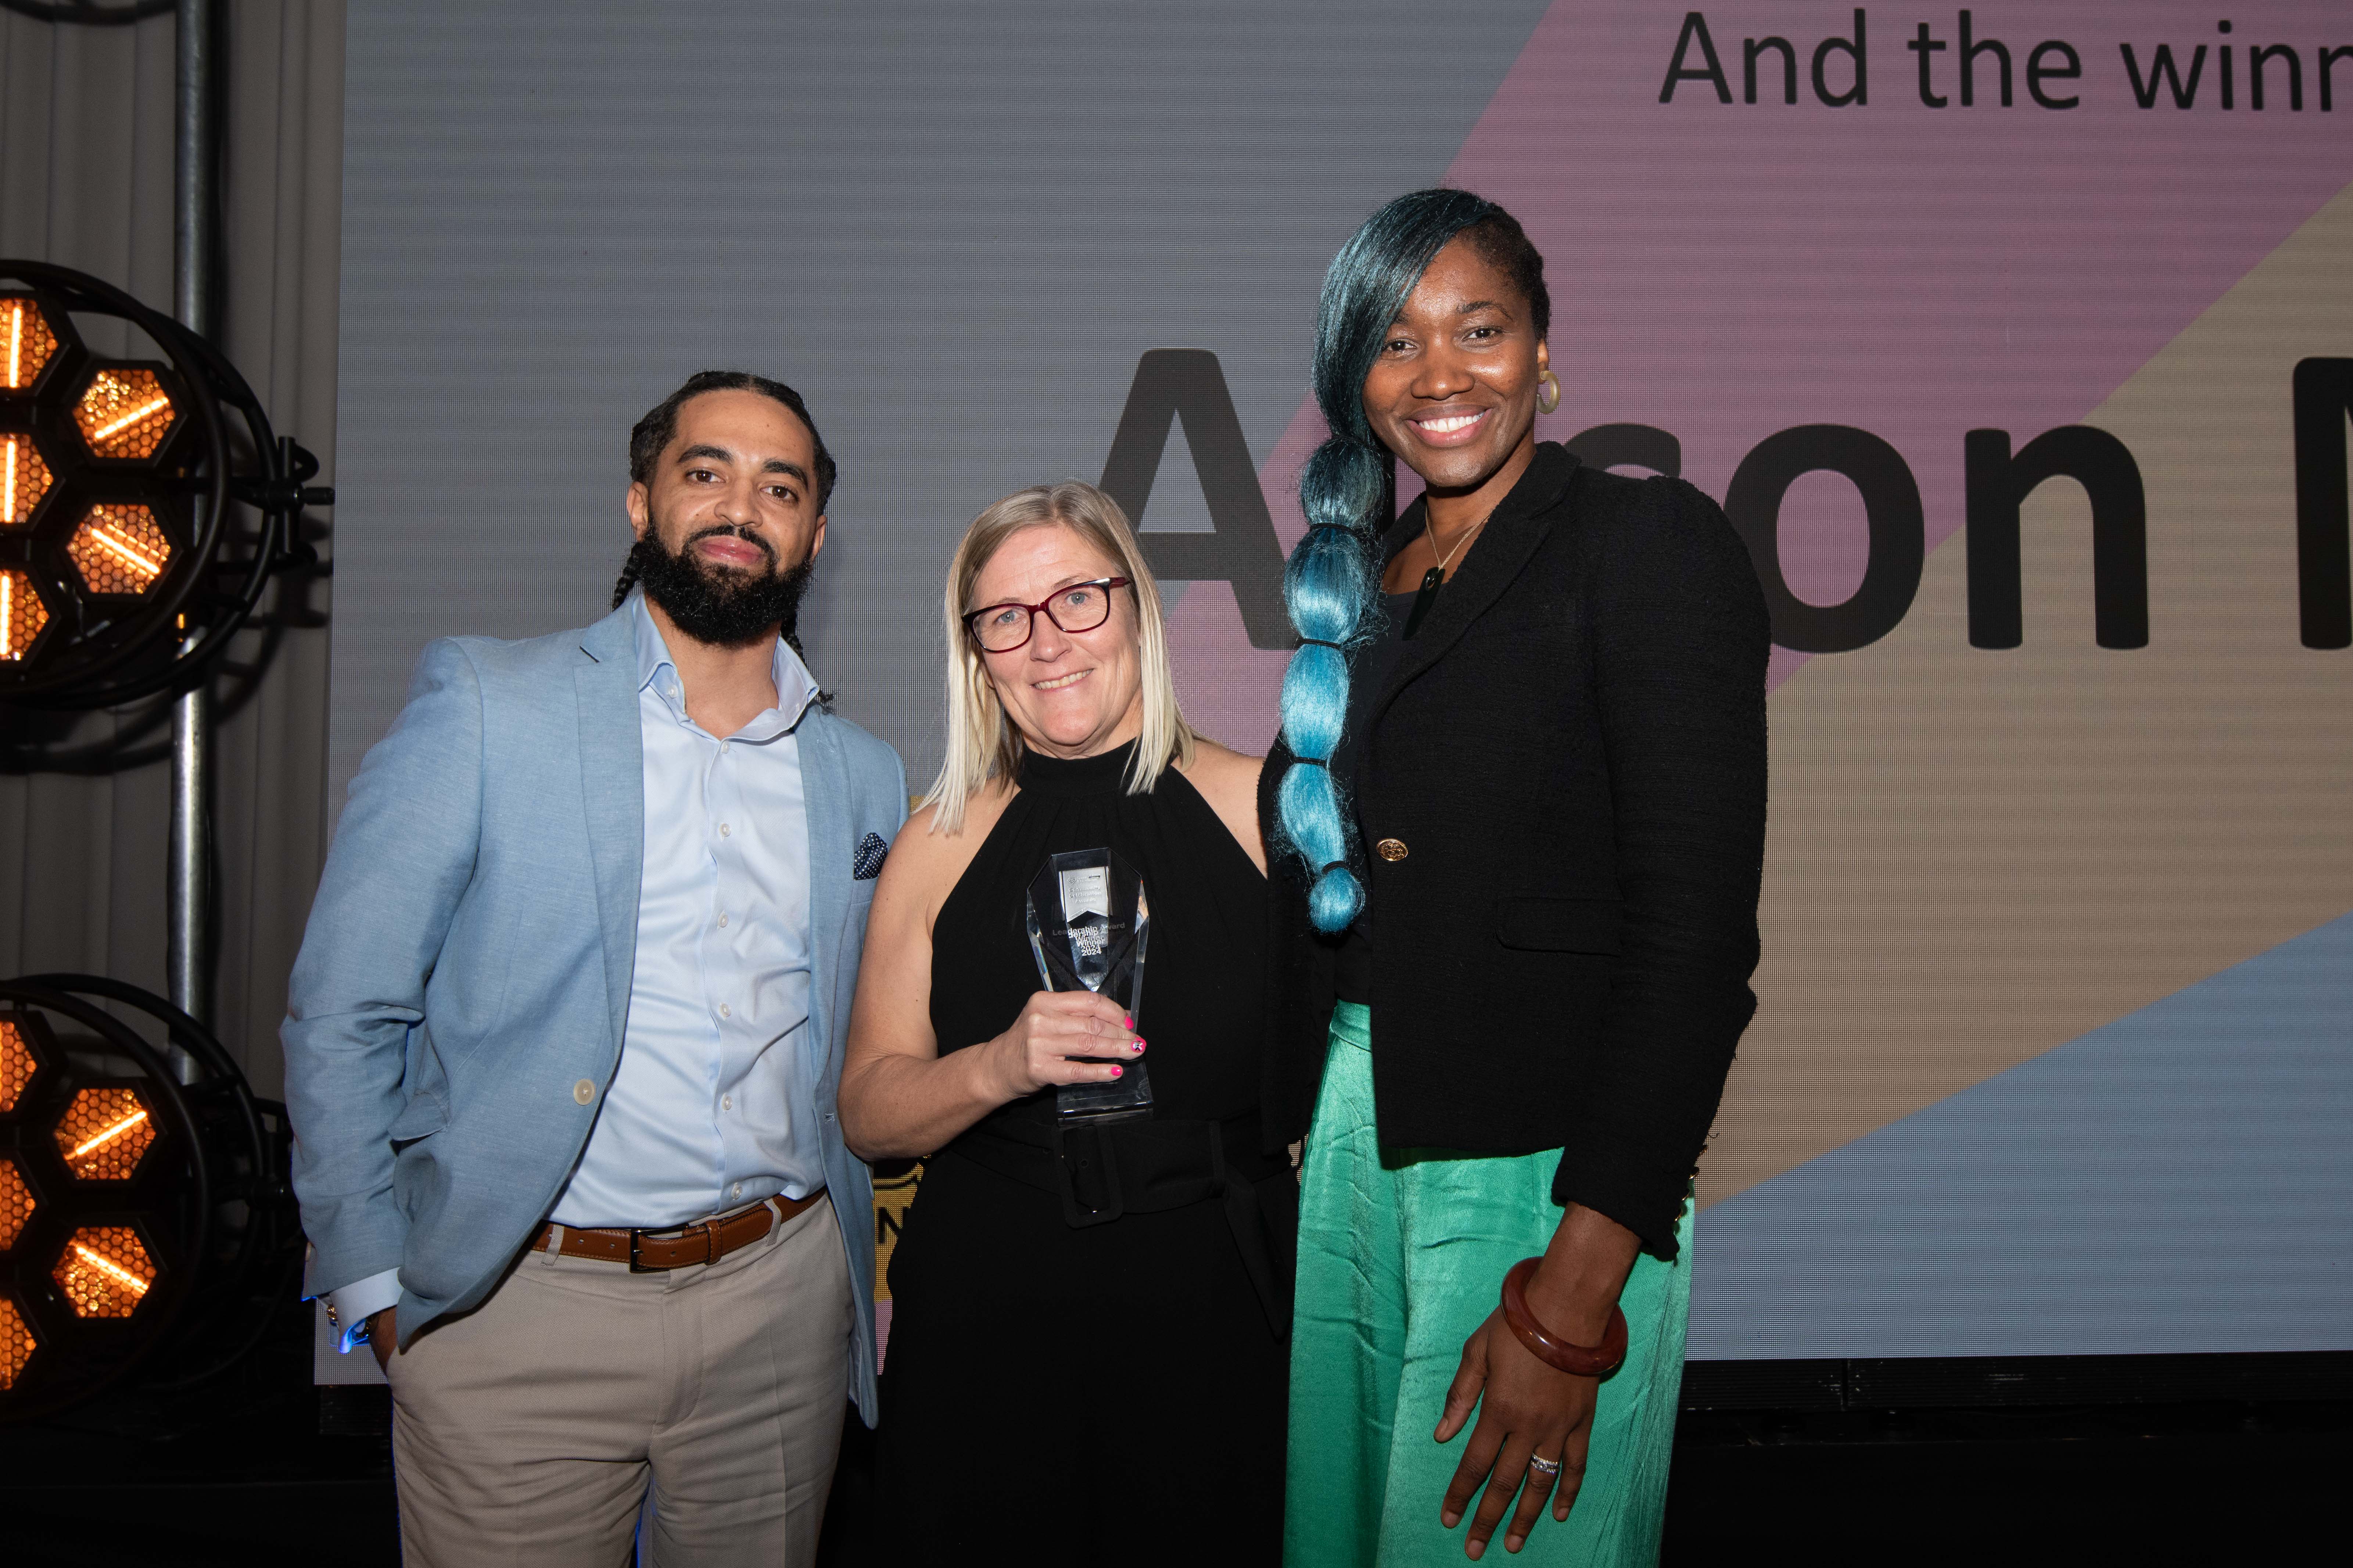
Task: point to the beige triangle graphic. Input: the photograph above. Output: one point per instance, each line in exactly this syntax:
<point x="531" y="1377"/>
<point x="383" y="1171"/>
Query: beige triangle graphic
<point x="1976" y="855"/>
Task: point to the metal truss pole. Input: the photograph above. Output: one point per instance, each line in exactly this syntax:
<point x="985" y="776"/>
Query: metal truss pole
<point x="194" y="211"/>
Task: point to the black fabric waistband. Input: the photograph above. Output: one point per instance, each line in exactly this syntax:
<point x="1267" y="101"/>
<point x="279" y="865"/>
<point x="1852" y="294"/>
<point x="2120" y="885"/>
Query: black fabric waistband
<point x="1103" y="1172"/>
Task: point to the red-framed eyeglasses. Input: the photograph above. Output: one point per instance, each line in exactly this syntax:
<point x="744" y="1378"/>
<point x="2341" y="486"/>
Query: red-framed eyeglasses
<point x="1074" y="608"/>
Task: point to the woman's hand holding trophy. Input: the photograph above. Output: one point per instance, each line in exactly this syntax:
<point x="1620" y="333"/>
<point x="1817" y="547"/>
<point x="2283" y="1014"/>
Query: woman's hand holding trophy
<point x="1056" y="1030"/>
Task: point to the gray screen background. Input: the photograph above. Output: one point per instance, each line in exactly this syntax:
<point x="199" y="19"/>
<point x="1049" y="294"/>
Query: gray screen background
<point x="954" y="229"/>
<point x="957" y="228"/>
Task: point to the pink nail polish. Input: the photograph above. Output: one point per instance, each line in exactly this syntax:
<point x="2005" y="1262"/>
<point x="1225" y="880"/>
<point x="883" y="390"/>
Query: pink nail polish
<point x="1116" y="1071"/>
<point x="1139" y="1047"/>
<point x="1129" y="1019"/>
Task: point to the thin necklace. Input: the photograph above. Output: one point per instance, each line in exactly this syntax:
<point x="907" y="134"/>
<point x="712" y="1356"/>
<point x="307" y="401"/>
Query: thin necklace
<point x="1460" y="540"/>
<point x="1432" y="580"/>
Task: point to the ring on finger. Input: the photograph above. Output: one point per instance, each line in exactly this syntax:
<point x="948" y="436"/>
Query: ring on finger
<point x="1543" y="1466"/>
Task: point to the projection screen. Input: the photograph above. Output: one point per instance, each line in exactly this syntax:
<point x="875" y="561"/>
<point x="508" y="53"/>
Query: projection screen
<point x="2017" y="341"/>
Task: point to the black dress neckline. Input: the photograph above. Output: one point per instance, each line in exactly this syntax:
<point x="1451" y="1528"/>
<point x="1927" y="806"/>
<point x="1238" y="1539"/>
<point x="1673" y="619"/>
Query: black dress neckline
<point x="1075" y="778"/>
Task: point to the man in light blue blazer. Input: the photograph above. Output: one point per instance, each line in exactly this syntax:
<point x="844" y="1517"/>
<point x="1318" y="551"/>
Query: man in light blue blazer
<point x="562" y="1042"/>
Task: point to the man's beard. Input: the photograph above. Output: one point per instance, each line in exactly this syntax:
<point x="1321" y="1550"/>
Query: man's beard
<point x="725" y="607"/>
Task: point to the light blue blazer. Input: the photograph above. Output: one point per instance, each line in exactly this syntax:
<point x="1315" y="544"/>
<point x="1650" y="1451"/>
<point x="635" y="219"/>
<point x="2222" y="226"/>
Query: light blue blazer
<point x="458" y="1006"/>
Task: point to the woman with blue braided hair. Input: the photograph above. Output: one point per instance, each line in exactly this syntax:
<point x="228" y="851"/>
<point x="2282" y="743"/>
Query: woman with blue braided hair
<point x="1518" y="805"/>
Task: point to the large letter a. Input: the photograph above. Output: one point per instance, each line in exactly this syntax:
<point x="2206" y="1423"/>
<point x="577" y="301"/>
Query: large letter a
<point x="1173" y="384"/>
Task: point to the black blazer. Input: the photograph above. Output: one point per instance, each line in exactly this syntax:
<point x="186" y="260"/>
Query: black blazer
<point x="1572" y="755"/>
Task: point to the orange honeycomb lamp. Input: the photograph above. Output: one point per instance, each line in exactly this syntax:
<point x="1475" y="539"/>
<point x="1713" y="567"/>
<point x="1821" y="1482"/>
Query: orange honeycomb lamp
<point x="17" y="1203"/>
<point x="29" y="342"/>
<point x="18" y="1060"/>
<point x="125" y="413"/>
<point x="104" y="1272"/>
<point x="104" y="1134"/>
<point x="22" y="615"/>
<point x="24" y="478"/>
<point x="119" y="550"/>
<point x="16" y="1343"/>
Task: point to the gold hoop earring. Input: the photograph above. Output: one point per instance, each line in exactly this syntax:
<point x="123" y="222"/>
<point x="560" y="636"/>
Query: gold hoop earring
<point x="1548" y="392"/>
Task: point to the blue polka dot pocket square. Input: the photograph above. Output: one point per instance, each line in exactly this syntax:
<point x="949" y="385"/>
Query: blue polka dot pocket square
<point x="866" y="861"/>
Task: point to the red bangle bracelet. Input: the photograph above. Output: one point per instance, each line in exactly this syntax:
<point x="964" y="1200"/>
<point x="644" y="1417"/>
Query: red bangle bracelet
<point x="1578" y="1361"/>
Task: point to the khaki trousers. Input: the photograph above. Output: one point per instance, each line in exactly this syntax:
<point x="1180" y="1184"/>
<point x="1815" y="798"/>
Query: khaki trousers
<point x="539" y="1427"/>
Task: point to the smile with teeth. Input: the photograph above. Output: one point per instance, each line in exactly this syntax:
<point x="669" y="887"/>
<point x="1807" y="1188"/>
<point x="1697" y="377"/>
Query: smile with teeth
<point x="1447" y="425"/>
<point x="1059" y="682"/>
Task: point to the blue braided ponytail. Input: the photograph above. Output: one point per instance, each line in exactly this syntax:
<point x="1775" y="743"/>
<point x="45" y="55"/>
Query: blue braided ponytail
<point x="1333" y="579"/>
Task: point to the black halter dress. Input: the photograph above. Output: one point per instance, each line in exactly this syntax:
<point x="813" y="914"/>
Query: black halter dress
<point x="1089" y="1340"/>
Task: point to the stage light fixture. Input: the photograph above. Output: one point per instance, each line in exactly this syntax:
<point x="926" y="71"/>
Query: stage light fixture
<point x="145" y="1215"/>
<point x="104" y="1133"/>
<point x="124" y="568"/>
<point x="23" y="1053"/>
<point x="23" y="616"/>
<point x="120" y="550"/>
<point x="31" y="343"/>
<point x="16" y="1344"/>
<point x="24" y="479"/>
<point x="16" y="1204"/>
<point x="125" y="414"/>
<point x="104" y="1272"/>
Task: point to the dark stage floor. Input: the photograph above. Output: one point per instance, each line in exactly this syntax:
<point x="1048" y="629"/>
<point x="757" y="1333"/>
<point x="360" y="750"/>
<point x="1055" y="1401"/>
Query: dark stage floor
<point x="242" y="1473"/>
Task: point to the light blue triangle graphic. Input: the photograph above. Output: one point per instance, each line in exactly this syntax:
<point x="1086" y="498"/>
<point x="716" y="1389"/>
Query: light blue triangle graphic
<point x="2179" y="1181"/>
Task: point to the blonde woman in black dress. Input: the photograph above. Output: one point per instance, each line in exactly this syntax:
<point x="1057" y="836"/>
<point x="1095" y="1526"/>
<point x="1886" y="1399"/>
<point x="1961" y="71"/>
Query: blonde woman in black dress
<point x="1088" y="1331"/>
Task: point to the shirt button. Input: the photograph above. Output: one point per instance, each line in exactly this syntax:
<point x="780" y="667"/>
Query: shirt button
<point x="1391" y="849"/>
<point x="723" y="1012"/>
<point x="724" y="830"/>
<point x="723" y="747"/>
<point x="583" y="1091"/>
<point x="723" y="922"/>
<point x="736" y="1191"/>
<point x="726" y="1102"/>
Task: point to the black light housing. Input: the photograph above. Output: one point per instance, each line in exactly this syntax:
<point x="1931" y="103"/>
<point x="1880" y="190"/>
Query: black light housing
<point x="120" y="573"/>
<point x="144" y="1197"/>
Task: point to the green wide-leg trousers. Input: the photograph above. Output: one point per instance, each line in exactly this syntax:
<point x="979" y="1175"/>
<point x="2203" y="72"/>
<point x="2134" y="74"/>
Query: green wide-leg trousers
<point x="1401" y="1253"/>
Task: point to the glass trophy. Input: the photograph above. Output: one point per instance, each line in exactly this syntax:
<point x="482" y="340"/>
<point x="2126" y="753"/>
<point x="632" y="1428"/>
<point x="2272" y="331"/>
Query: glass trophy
<point x="1088" y="920"/>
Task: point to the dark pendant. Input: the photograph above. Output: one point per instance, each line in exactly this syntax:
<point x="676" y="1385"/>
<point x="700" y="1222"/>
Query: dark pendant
<point x="1422" y="600"/>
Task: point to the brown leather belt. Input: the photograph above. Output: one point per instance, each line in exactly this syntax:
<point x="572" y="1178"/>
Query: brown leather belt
<point x="677" y="1246"/>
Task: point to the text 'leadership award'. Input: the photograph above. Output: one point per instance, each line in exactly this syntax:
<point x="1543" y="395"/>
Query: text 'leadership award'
<point x="1088" y="921"/>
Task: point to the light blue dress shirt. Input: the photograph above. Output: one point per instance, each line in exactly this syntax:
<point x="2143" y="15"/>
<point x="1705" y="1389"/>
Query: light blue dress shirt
<point x="700" y="1117"/>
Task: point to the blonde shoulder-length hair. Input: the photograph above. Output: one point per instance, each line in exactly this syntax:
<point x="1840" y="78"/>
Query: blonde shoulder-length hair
<point x="982" y="741"/>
